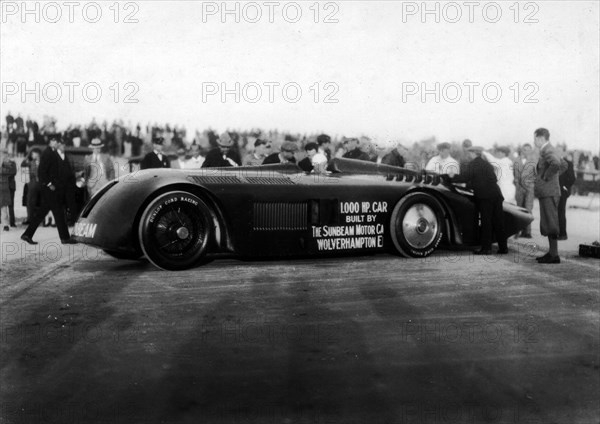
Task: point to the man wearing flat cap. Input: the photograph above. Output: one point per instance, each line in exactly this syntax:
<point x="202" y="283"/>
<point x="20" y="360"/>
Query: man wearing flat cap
<point x="223" y="155"/>
<point x="443" y="163"/>
<point x="480" y="177"/>
<point x="286" y="155"/>
<point x="156" y="158"/>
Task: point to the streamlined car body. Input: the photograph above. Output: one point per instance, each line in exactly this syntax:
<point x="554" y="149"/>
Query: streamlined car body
<point x="178" y="218"/>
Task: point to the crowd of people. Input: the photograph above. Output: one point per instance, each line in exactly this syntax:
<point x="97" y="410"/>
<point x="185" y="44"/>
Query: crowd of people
<point x="513" y="176"/>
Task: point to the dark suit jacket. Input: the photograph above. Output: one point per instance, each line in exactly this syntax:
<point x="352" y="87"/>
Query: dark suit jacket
<point x="356" y="154"/>
<point x="394" y="158"/>
<point x="214" y="158"/>
<point x="53" y="169"/>
<point x="151" y="160"/>
<point x="306" y="165"/>
<point x="480" y="177"/>
<point x="549" y="167"/>
<point x="273" y="158"/>
<point x="567" y="178"/>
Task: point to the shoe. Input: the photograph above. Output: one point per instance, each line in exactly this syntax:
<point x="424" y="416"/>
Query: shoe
<point x="28" y="239"/>
<point x="527" y="236"/>
<point x="6" y="228"/>
<point x="562" y="238"/>
<point x="550" y="260"/>
<point x="502" y="251"/>
<point x="68" y="241"/>
<point x="540" y="258"/>
<point x="53" y="224"/>
<point x="483" y="252"/>
<point x="13" y="225"/>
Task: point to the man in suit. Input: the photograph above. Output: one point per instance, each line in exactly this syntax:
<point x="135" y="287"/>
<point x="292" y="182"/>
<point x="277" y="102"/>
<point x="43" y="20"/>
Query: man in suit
<point x="480" y="177"/>
<point x="98" y="168"/>
<point x="547" y="189"/>
<point x="223" y="155"/>
<point x="353" y="151"/>
<point x="156" y="158"/>
<point x="286" y="155"/>
<point x="566" y="181"/>
<point x="57" y="181"/>
<point x="524" y="172"/>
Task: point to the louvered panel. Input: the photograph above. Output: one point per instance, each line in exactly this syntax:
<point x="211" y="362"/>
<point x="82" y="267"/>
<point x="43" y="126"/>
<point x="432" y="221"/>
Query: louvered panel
<point x="280" y="216"/>
<point x="269" y="180"/>
<point x="214" y="179"/>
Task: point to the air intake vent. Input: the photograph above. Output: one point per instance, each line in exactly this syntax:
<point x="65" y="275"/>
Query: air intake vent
<point x="280" y="216"/>
<point x="269" y="180"/>
<point x="214" y="179"/>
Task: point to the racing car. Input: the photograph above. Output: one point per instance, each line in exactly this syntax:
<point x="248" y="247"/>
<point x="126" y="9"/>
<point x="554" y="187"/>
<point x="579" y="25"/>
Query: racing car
<point x="179" y="219"/>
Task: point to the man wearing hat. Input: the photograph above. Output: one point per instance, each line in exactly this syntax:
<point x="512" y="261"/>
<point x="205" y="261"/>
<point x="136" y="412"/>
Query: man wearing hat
<point x="480" y="177"/>
<point x="156" y="158"/>
<point x="286" y="155"/>
<point x="57" y="181"/>
<point x="224" y="155"/>
<point x="98" y="168"/>
<point x="443" y="163"/>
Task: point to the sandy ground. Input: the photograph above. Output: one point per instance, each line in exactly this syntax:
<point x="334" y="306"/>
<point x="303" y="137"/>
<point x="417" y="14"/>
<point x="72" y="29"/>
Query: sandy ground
<point x="376" y="339"/>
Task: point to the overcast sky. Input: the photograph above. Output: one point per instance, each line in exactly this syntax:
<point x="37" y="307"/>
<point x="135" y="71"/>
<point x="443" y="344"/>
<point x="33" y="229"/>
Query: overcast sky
<point x="372" y="63"/>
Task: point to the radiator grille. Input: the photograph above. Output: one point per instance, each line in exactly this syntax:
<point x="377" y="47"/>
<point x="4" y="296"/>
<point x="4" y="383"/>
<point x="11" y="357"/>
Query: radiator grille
<point x="280" y="216"/>
<point x="269" y="180"/>
<point x="215" y="179"/>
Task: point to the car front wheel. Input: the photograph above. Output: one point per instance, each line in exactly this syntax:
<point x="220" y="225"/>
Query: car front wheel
<point x="175" y="229"/>
<point x="416" y="225"/>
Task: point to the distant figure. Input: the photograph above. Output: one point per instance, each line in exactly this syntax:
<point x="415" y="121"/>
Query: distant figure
<point x="180" y="162"/>
<point x="156" y="158"/>
<point x="306" y="163"/>
<point x="98" y="168"/>
<point x="566" y="181"/>
<point x="224" y="155"/>
<point x="481" y="178"/>
<point x="9" y="170"/>
<point x="262" y="149"/>
<point x="524" y="176"/>
<point x="443" y="163"/>
<point x="286" y="155"/>
<point x="324" y="142"/>
<point x="32" y="161"/>
<point x="196" y="160"/>
<point x="547" y="190"/>
<point x="465" y="157"/>
<point x="396" y="156"/>
<point x="353" y="150"/>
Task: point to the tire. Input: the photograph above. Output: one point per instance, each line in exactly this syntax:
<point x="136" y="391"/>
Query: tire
<point x="416" y="225"/>
<point x="122" y="255"/>
<point x="175" y="229"/>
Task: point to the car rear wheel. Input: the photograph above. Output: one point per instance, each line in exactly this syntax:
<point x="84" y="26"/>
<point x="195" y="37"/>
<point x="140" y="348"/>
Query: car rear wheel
<point x="175" y="229"/>
<point x="416" y="225"/>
